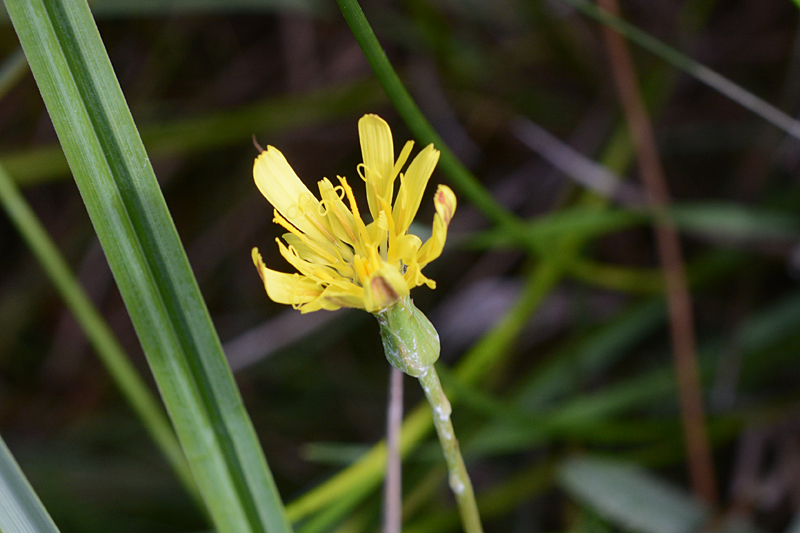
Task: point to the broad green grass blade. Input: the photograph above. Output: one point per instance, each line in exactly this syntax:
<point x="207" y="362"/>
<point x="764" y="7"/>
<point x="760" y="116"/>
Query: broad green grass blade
<point x="20" y="508"/>
<point x="130" y="216"/>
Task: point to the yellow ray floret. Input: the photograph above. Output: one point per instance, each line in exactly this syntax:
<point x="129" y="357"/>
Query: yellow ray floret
<point x="341" y="261"/>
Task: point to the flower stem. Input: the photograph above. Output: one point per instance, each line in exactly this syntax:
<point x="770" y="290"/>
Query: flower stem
<point x="407" y="108"/>
<point x="458" y="477"/>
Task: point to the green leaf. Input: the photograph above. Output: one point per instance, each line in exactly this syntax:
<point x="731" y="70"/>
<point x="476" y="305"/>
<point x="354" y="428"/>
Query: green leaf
<point x="735" y="221"/>
<point x="631" y="497"/>
<point x="20" y="508"/>
<point x="133" y="224"/>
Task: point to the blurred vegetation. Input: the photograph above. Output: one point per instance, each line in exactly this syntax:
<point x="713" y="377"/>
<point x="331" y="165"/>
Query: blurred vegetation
<point x="557" y="339"/>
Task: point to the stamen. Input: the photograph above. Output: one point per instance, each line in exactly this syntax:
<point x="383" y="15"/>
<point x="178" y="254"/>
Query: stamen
<point x="323" y="208"/>
<point x="308" y="199"/>
<point x="361" y="168"/>
<point x="362" y="228"/>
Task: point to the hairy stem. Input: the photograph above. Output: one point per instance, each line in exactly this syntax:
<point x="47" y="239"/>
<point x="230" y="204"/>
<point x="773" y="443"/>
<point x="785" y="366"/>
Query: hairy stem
<point x="458" y="477"/>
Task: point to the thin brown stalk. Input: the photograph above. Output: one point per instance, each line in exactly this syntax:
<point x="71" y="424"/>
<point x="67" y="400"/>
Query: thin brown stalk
<point x="393" y="488"/>
<point x="681" y="317"/>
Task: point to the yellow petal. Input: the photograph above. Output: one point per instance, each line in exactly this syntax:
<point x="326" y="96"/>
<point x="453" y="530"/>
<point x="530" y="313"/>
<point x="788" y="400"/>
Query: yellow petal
<point x="445" y="202"/>
<point x="336" y="296"/>
<point x="325" y="250"/>
<point x="320" y="273"/>
<point x="415" y="278"/>
<point x="412" y="187"/>
<point x="377" y="150"/>
<point x="279" y="184"/>
<point x="307" y="253"/>
<point x="376" y="234"/>
<point x="383" y="288"/>
<point x="288" y="289"/>
<point x="405" y="248"/>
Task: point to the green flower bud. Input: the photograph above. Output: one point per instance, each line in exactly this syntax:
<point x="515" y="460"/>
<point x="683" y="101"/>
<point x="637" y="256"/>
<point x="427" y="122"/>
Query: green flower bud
<point x="409" y="339"/>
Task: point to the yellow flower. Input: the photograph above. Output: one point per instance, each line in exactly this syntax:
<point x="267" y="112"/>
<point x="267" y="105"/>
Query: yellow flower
<point x="340" y="260"/>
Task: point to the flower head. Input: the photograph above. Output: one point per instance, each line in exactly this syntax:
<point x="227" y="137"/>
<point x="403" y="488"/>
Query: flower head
<point x="342" y="261"/>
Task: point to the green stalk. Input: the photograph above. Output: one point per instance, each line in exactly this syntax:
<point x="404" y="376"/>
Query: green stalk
<point x="367" y="472"/>
<point x="466" y="183"/>
<point x="458" y="476"/>
<point x="412" y="346"/>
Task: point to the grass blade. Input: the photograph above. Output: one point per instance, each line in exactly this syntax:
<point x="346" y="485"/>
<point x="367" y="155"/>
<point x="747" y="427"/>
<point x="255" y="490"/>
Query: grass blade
<point x="630" y="497"/>
<point x="693" y="68"/>
<point x="130" y="216"/>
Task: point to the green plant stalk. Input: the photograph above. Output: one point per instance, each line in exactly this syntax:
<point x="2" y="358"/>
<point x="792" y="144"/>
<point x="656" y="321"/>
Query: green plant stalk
<point x="458" y="476"/>
<point x="367" y="472"/>
<point x="124" y="374"/>
<point x="493" y="346"/>
<point x="411" y="344"/>
<point x="466" y="183"/>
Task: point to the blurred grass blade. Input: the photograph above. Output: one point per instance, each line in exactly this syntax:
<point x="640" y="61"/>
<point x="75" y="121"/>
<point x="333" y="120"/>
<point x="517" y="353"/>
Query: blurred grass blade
<point x="271" y="116"/>
<point x="125" y="375"/>
<point x="736" y="222"/>
<point x="20" y="508"/>
<point x="166" y="8"/>
<point x="149" y="264"/>
<point x="697" y="70"/>
<point x="13" y="70"/>
<point x="631" y="498"/>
